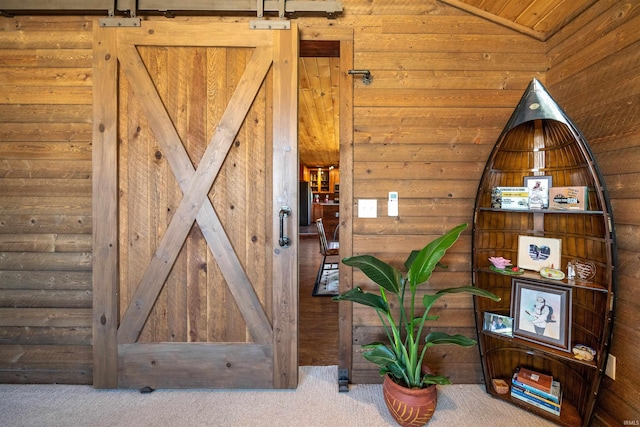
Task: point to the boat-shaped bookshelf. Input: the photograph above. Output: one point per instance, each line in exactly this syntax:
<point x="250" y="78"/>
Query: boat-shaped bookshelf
<point x="541" y="141"/>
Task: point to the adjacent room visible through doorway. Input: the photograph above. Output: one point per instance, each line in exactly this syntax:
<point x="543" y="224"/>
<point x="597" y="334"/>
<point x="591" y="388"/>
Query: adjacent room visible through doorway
<point x="319" y="149"/>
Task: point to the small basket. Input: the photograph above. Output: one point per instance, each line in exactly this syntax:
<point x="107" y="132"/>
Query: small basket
<point x="500" y="386"/>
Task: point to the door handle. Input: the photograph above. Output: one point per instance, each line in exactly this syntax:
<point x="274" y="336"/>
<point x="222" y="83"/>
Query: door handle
<point x="285" y="211"/>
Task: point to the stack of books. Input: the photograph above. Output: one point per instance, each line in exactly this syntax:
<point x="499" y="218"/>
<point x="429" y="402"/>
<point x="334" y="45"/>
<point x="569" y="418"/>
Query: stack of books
<point x="537" y="389"/>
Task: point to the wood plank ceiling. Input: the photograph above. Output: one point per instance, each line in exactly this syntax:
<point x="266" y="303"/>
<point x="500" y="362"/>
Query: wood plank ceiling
<point x="318" y="112"/>
<point x="319" y="91"/>
<point x="537" y="18"/>
<point x="318" y="133"/>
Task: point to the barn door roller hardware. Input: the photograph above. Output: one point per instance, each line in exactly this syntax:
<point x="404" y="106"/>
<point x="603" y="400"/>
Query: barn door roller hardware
<point x="130" y="9"/>
<point x="367" y="78"/>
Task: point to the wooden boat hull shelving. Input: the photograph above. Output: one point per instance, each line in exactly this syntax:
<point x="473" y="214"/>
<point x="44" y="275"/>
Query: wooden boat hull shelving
<point x="540" y="140"/>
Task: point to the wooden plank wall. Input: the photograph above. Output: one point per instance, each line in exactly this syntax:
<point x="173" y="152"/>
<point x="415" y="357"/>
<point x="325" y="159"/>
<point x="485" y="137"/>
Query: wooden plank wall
<point x="45" y="200"/>
<point x="599" y="87"/>
<point x="444" y="85"/>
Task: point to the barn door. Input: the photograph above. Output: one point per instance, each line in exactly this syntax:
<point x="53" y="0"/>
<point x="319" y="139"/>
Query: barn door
<point x="195" y="166"/>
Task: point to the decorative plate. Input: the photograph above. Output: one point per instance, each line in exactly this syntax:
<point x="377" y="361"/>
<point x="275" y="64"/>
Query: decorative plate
<point x="508" y="270"/>
<point x="551" y="273"/>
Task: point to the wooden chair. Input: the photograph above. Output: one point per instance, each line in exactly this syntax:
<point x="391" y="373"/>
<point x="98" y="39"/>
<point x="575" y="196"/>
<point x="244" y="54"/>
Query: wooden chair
<point x="327" y="249"/>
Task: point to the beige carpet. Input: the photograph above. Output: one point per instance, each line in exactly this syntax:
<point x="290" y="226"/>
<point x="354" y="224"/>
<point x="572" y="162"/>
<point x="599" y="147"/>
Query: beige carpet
<point x="316" y="403"/>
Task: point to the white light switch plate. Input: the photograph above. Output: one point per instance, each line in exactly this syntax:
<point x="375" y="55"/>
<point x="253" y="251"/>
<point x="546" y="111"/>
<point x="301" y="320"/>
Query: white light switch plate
<point x="367" y="208"/>
<point x="392" y="204"/>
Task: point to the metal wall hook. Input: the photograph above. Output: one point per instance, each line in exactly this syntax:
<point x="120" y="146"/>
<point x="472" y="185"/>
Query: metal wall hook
<point x="367" y="78"/>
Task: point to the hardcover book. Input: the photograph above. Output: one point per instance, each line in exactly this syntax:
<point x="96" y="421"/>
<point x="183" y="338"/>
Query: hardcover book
<point x="531" y="395"/>
<point x="549" y="408"/>
<point x="536" y="398"/>
<point x="534" y="379"/>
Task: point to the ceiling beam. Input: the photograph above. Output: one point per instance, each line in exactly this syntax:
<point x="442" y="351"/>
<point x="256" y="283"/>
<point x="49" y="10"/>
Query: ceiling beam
<point x="497" y="19"/>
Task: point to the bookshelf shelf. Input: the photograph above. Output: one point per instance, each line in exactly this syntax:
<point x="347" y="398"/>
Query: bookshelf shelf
<point x="535" y="349"/>
<point x="596" y="287"/>
<point x="544" y="211"/>
<point x="569" y="415"/>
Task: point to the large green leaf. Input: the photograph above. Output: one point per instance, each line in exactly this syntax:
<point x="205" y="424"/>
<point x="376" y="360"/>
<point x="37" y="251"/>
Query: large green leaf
<point x="439" y="338"/>
<point x="427" y="259"/>
<point x="380" y="272"/>
<point x="470" y="290"/>
<point x="379" y="354"/>
<point x="435" y="379"/>
<point x="428" y="300"/>
<point x="398" y="371"/>
<point x="411" y="258"/>
<point x="368" y="299"/>
<point x="383" y="356"/>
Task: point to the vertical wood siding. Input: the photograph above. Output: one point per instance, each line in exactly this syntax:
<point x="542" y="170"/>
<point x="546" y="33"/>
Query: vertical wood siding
<point x="45" y="200"/>
<point x="598" y="85"/>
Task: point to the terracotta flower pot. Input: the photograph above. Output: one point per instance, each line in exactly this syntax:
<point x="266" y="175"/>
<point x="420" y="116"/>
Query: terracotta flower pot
<point x="409" y="407"/>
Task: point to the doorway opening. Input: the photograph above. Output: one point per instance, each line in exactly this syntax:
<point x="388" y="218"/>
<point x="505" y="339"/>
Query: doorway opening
<point x="319" y="155"/>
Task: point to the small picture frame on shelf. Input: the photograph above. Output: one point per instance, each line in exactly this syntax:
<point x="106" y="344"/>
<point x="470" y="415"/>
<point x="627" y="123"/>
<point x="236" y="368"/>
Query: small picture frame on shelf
<point x="536" y="253"/>
<point x="498" y="324"/>
<point x="538" y="187"/>
<point x="541" y="313"/>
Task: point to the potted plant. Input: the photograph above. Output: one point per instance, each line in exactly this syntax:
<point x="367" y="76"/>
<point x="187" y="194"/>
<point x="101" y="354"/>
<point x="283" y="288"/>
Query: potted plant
<point x="401" y="359"/>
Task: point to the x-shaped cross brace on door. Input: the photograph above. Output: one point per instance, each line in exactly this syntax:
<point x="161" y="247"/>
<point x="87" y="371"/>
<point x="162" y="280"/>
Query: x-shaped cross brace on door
<point x="195" y="205"/>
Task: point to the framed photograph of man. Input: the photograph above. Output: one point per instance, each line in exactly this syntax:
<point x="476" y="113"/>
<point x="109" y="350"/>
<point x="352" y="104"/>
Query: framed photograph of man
<point x="498" y="324"/>
<point x="541" y="313"/>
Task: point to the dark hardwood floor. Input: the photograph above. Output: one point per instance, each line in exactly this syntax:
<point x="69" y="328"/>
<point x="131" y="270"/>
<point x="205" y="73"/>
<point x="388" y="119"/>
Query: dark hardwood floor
<point x="318" y="316"/>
